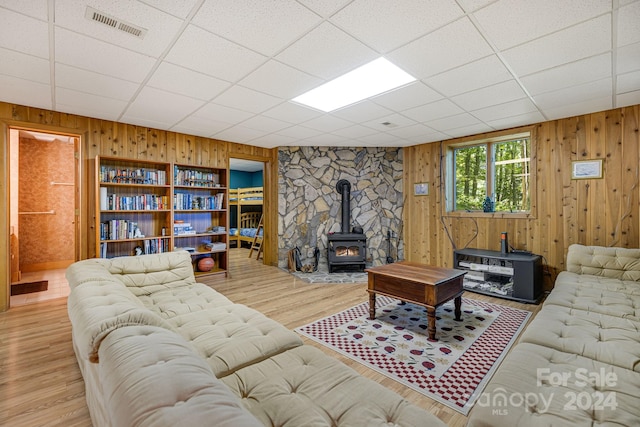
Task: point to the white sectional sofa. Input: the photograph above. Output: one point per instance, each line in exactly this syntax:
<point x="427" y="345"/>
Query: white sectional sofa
<point x="156" y="348"/>
<point x="578" y="361"/>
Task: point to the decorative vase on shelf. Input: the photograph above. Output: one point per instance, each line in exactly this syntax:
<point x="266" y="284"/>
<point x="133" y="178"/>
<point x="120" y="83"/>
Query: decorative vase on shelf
<point x="487" y="205"/>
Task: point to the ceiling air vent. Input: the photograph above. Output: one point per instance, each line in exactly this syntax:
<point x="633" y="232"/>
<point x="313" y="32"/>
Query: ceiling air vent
<point x="119" y="24"/>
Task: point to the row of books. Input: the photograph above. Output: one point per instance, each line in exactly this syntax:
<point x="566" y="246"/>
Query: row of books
<point x="132" y="176"/>
<point x="186" y="201"/>
<point x="117" y="229"/>
<point x="150" y="246"/>
<point x="142" y="202"/>
<point x="195" y="178"/>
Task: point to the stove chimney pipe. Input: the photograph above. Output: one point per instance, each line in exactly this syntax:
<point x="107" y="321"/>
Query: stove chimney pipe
<point x="344" y="187"/>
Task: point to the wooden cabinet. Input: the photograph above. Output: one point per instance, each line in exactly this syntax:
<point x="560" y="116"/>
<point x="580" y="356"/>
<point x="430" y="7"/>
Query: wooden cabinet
<point x="200" y="216"/>
<point x="146" y="207"/>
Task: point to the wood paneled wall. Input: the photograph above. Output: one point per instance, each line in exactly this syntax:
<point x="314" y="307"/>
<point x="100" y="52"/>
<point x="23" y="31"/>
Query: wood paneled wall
<point x="107" y="138"/>
<point x="602" y="212"/>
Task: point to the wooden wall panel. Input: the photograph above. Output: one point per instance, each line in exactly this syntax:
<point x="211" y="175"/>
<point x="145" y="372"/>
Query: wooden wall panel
<point x="564" y="211"/>
<point x="107" y="138"/>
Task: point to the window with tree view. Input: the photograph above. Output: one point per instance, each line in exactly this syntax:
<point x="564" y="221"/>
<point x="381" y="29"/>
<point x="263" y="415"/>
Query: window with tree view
<point x="498" y="169"/>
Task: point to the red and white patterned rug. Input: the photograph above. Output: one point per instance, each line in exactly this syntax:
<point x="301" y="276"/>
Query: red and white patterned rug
<point x="452" y="370"/>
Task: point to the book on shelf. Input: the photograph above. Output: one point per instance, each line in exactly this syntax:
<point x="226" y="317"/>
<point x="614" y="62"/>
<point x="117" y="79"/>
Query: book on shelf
<point x="141" y="202"/>
<point x="117" y="175"/>
<point x="187" y="201"/>
<point x="195" y="177"/>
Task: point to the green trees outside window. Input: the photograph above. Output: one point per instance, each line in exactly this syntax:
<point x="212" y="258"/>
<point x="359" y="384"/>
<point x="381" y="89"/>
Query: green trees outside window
<point x="499" y="170"/>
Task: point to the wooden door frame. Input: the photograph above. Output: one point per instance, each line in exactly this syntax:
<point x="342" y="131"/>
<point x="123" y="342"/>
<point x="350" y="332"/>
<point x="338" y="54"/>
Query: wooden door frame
<point x="5" y="173"/>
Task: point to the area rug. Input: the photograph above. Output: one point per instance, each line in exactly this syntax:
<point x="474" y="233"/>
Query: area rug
<point x="453" y="369"/>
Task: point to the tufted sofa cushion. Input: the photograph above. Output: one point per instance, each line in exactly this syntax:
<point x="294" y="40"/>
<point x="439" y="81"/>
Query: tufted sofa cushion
<point x="232" y="336"/>
<point x="305" y="387"/>
<point x="519" y="394"/>
<point x="596" y="294"/>
<point x="600" y="337"/>
<point x="98" y="307"/>
<point x="151" y="377"/>
<point x="615" y="263"/>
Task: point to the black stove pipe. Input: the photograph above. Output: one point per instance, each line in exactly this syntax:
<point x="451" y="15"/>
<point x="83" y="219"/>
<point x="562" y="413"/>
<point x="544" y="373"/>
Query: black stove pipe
<point x="344" y="187"/>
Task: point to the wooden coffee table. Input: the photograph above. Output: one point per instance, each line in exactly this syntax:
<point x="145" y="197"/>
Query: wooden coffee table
<point x="420" y="284"/>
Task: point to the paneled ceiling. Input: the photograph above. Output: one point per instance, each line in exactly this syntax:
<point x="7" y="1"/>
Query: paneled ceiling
<point x="228" y="69"/>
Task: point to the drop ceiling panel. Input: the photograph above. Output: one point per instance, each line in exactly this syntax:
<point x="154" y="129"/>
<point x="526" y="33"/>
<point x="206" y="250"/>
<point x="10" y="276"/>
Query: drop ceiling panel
<point x="386" y="26"/>
<point x="629" y="98"/>
<point x="327" y="123"/>
<point x="89" y="104"/>
<point x="452" y="122"/>
<point x="333" y="52"/>
<point x="265" y="124"/>
<point x="23" y="66"/>
<point x="13" y="36"/>
<point x="25" y="92"/>
<point x="362" y="111"/>
<point x="298" y="132"/>
<point x="194" y="125"/>
<point x="264" y="26"/>
<point x="488" y="96"/>
<point x="178" y="8"/>
<point x="210" y="54"/>
<point x="510" y="23"/>
<point x="271" y="141"/>
<point x="161" y="27"/>
<point x="35" y="8"/>
<point x="581" y="41"/>
<point x="469" y="130"/>
<point x="628" y="58"/>
<point x="628" y="82"/>
<point x="519" y="120"/>
<point x="161" y="106"/>
<point x="242" y="133"/>
<point x="183" y="81"/>
<point x="94" y="83"/>
<point x="409" y="96"/>
<point x="245" y="99"/>
<point x="449" y="47"/>
<point x="435" y="110"/>
<point x="354" y="132"/>
<point x="413" y="132"/>
<point x="394" y="121"/>
<point x="508" y="109"/>
<point x="292" y="112"/>
<point x="278" y="79"/>
<point x="569" y="110"/>
<point x="100" y="57"/>
<point x="229" y="115"/>
<point x="574" y="73"/>
<point x="325" y="8"/>
<point x="628" y="23"/>
<point x="474" y="75"/>
<point x="574" y="94"/>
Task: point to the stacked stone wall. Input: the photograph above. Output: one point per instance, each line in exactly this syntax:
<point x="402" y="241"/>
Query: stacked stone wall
<point x="309" y="206"/>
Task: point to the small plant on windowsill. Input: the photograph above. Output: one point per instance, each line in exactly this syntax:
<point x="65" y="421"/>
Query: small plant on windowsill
<point x="487" y="205"/>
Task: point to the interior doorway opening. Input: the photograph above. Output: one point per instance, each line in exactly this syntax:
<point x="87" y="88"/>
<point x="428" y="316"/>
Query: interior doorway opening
<point x="43" y="212"/>
<point x="246" y="206"/>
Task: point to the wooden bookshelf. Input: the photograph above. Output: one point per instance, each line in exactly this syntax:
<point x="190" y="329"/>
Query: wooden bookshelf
<point x="133" y="207"/>
<point x="200" y="216"/>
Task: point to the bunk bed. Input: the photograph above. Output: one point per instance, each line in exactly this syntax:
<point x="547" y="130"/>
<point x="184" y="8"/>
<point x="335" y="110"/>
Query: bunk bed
<point x="247" y="221"/>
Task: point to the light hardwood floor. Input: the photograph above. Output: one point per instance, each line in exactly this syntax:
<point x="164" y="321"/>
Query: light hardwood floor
<point x="41" y="384"/>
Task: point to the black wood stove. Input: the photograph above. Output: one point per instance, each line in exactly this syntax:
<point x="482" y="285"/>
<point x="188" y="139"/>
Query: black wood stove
<point x="346" y="250"/>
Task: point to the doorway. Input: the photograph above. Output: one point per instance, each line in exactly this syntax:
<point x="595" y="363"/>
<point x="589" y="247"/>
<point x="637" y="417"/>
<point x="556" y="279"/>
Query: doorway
<point x="43" y="213"/>
<point x="246" y="207"/>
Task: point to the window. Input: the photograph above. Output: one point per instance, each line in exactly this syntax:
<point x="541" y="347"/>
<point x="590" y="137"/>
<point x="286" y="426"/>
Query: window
<point x="498" y="168"/>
